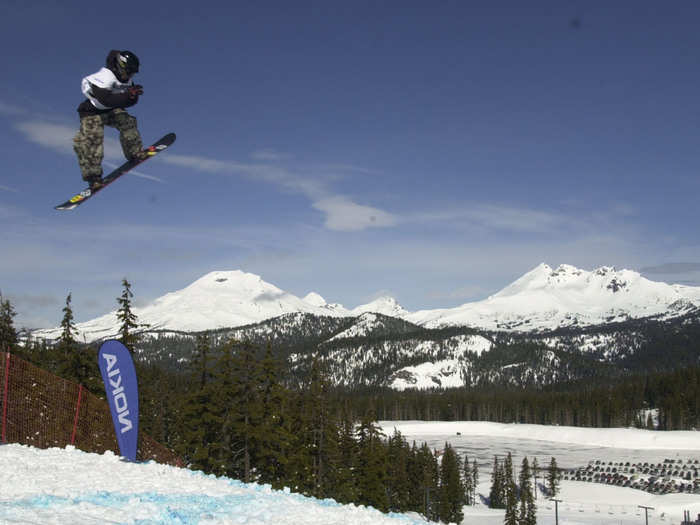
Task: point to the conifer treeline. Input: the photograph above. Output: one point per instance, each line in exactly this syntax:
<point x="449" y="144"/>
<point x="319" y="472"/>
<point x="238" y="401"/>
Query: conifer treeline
<point x="676" y="396"/>
<point x="238" y="420"/>
<point x="518" y="499"/>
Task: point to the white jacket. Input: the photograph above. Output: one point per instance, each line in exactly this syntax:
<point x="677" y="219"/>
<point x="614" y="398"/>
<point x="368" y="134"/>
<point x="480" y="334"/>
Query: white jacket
<point x="104" y="79"/>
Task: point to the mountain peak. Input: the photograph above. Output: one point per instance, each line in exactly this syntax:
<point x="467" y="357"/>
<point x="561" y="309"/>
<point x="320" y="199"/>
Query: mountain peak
<point x="546" y="299"/>
<point x="385" y="305"/>
<point x="542" y="299"/>
<point x="572" y="279"/>
<point x="228" y="279"/>
<point x="314" y="299"/>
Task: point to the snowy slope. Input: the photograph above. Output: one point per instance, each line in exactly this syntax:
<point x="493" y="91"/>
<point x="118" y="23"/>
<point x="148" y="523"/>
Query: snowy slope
<point x="546" y="298"/>
<point x="365" y="324"/>
<point x="71" y="486"/>
<point x="444" y="373"/>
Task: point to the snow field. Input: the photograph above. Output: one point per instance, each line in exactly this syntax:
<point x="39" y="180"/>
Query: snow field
<point x="70" y="486"/>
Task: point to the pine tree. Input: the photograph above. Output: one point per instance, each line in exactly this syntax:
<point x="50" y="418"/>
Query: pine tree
<point x="527" y="514"/>
<point x="451" y="487"/>
<point x="67" y="339"/>
<point x="199" y="364"/>
<point x="76" y="363"/>
<point x="242" y="420"/>
<point x="299" y="461"/>
<point x="323" y="428"/>
<point x="429" y="482"/>
<point x="8" y="334"/>
<point x="553" y="477"/>
<point x="397" y="475"/>
<point x="496" y="493"/>
<point x="535" y="469"/>
<point x="159" y="399"/>
<point x="127" y="318"/>
<point x="510" y="492"/>
<point x="316" y="442"/>
<point x="275" y="437"/>
<point x="415" y="475"/>
<point x="468" y="482"/>
<point x="372" y="468"/>
<point x="201" y="417"/>
<point x="344" y="478"/>
<point x="475" y="480"/>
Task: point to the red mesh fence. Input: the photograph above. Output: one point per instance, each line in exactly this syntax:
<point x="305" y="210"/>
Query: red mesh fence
<point x="40" y="409"/>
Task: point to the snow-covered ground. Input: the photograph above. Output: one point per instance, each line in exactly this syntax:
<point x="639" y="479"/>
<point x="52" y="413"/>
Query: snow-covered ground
<point x="70" y="486"/>
<point x="616" y="438"/>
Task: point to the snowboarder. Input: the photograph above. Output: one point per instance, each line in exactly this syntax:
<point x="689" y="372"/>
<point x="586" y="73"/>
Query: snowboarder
<point x="108" y="92"/>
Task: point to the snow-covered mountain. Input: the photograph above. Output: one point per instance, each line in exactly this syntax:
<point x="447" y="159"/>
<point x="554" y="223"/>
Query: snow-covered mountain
<point x="542" y="299"/>
<point x="222" y="299"/>
<point x="546" y="299"/>
<point x="384" y="305"/>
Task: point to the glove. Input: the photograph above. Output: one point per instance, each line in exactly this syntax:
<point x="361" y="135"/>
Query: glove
<point x="135" y="91"/>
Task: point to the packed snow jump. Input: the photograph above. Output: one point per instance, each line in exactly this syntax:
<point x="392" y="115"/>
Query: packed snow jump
<point x="108" y="93"/>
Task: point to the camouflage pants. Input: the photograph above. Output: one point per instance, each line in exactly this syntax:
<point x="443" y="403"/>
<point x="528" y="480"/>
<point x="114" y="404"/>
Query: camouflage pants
<point x="89" y="141"/>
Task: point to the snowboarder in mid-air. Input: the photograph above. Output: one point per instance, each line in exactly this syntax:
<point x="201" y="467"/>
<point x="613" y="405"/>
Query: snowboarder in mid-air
<point x="108" y="92"/>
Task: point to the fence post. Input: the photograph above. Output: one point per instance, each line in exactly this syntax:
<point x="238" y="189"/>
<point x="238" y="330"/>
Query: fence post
<point x="77" y="411"/>
<point x="4" y="397"/>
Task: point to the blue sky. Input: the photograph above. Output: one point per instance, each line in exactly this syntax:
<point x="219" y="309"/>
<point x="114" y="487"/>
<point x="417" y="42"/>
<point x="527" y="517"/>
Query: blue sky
<point x="434" y="151"/>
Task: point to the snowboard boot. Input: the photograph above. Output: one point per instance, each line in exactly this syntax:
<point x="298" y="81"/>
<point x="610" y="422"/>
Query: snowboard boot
<point x="95" y="182"/>
<point x="141" y="155"/>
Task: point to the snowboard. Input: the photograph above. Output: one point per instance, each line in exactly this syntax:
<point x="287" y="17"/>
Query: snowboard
<point x="84" y="195"/>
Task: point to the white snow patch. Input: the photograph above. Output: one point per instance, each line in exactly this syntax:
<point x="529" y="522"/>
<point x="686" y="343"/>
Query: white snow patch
<point x="71" y="486"/>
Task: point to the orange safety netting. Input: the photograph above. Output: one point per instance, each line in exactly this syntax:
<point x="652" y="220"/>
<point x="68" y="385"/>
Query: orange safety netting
<point x="40" y="409"/>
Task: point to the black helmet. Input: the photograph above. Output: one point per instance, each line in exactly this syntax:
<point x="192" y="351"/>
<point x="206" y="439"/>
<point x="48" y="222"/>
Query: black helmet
<point x="128" y="63"/>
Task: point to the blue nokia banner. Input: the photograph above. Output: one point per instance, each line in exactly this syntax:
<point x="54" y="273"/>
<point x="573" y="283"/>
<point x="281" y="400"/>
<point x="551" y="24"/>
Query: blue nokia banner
<point x="119" y="376"/>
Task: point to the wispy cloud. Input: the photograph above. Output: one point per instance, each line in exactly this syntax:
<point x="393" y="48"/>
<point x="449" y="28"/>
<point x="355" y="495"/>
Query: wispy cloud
<point x="7" y="188"/>
<point x="494" y="217"/>
<point x="342" y="213"/>
<point x="53" y="136"/>
<point x="10" y="110"/>
<point x="59" y="137"/>
<point x="268" y="155"/>
<point x="514" y="218"/>
<point x="136" y="173"/>
<point x="672" y="268"/>
<point x="272" y="174"/>
<point x="345" y="215"/>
